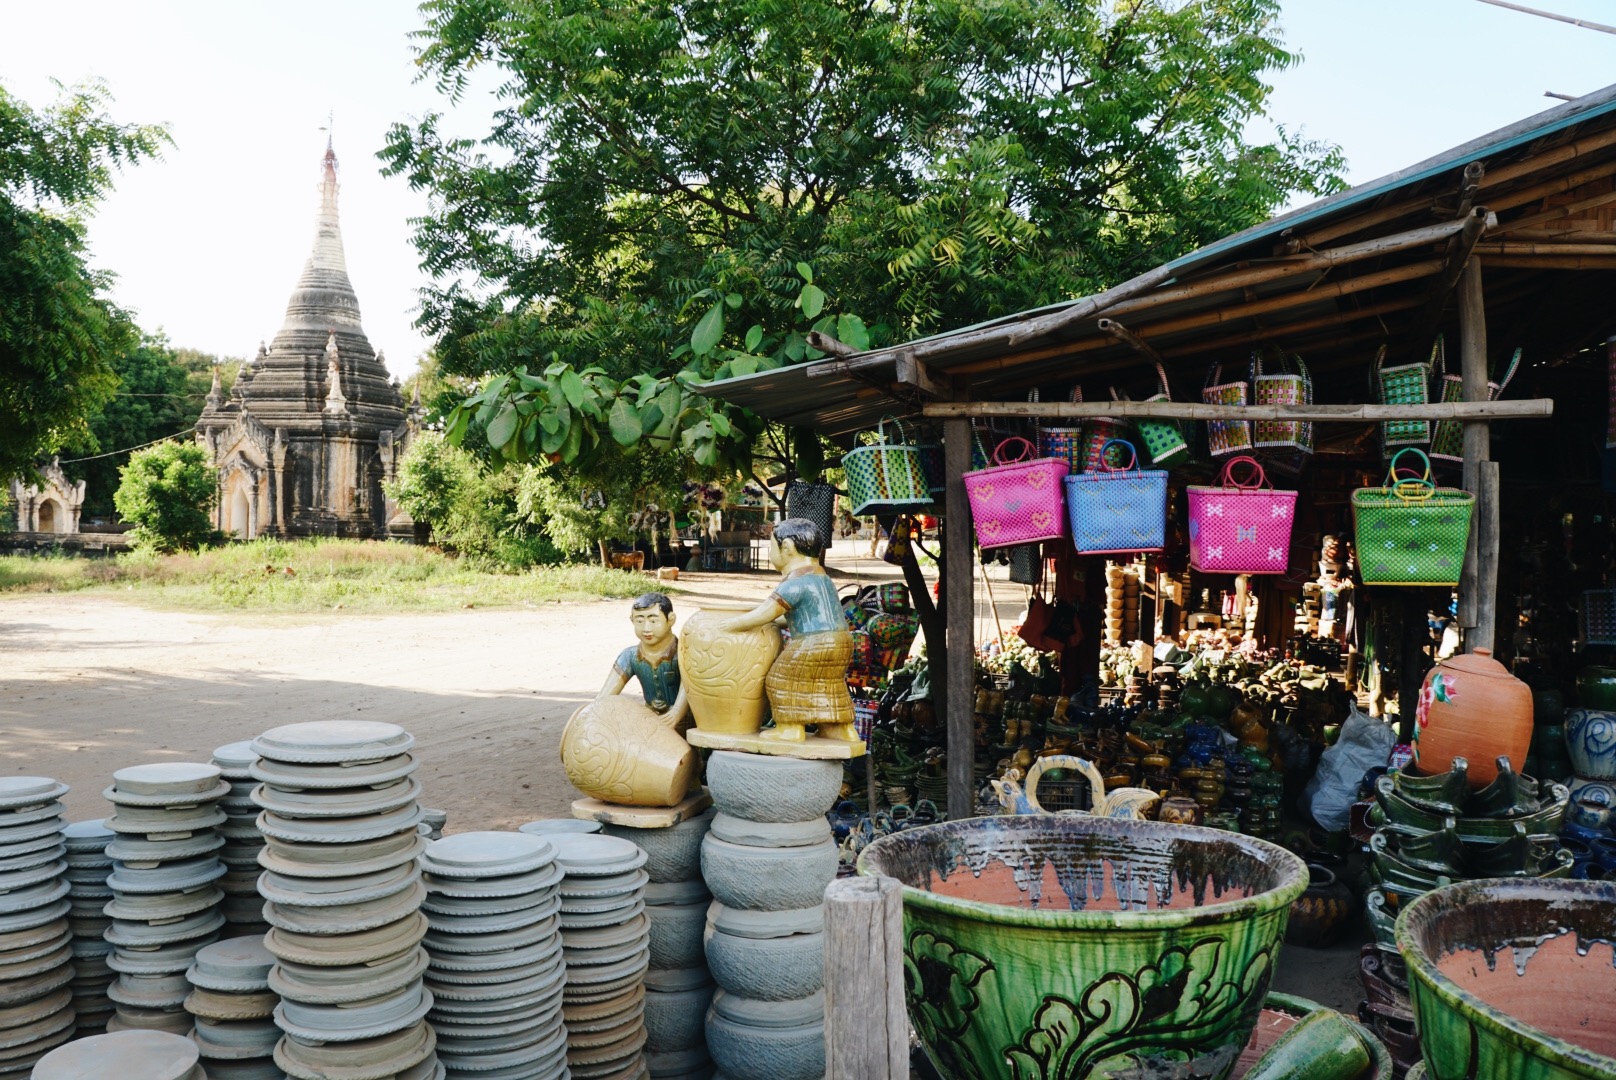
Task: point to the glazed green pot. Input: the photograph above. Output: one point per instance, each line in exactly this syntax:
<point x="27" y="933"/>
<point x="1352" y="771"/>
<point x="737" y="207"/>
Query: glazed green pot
<point x="1063" y="948"/>
<point x="1511" y="979"/>
<point x="1279" y="1014"/>
<point x="1596" y="688"/>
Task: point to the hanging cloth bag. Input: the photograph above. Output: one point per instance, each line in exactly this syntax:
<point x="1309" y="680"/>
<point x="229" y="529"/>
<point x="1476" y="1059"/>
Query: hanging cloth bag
<point x="886" y="477"/>
<point x="1224" y="437"/>
<point x="816" y="502"/>
<point x="1409" y="531"/>
<point x="1118" y="510"/>
<point x="1241" y="526"/>
<point x="1017" y="499"/>
<point x="1406" y="384"/>
<point x="1163" y="438"/>
<point x="1447" y="437"/>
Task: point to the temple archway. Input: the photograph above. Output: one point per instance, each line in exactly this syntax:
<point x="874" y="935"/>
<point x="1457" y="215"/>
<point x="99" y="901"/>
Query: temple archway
<point x="240" y="513"/>
<point x="51" y="518"/>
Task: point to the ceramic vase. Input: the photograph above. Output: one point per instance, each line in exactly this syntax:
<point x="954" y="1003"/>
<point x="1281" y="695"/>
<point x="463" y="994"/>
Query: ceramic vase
<point x="723" y="672"/>
<point x="618" y="750"/>
<point x="1472" y="707"/>
<point x="1590" y="736"/>
<point x="1017" y="929"/>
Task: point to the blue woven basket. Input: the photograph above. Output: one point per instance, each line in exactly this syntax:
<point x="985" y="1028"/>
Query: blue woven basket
<point x="1118" y="510"/>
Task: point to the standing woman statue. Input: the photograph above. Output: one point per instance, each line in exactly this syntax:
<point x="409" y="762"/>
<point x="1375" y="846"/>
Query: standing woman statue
<point x="807" y="684"/>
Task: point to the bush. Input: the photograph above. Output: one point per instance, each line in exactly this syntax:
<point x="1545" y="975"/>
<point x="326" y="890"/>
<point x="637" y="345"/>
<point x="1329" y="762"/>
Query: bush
<point x="471" y="512"/>
<point x="167" y="493"/>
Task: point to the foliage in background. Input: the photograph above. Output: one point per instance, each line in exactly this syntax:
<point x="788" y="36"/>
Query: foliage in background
<point x="634" y="494"/>
<point x="168" y="493"/>
<point x="59" y="333"/>
<point x="658" y="178"/>
<point x="311" y="576"/>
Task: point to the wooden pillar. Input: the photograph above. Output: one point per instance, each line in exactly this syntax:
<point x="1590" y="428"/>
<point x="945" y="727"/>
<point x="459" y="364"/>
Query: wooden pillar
<point x="1480" y="574"/>
<point x="957" y="680"/>
<point x="866" y="1025"/>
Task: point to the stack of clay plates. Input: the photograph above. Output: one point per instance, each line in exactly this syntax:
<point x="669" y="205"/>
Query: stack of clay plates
<point x="497" y="973"/>
<point x="36" y="953"/>
<point x="243" y="908"/>
<point x="165" y="893"/>
<point x="342" y="894"/>
<point x="605" y="939"/>
<point x="234" y="1010"/>
<point x="124" y="1055"/>
<point x="88" y="866"/>
<point x="545" y="826"/>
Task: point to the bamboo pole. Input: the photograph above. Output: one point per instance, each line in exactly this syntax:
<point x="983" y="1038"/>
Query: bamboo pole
<point x="1555" y="213"/>
<point x="1514" y="409"/>
<point x="959" y="679"/>
<point x="1511" y="247"/>
<point x="1458" y="257"/>
<point x="1560" y="185"/>
<point x="1477" y="441"/>
<point x="1567" y="234"/>
<point x="1550" y="262"/>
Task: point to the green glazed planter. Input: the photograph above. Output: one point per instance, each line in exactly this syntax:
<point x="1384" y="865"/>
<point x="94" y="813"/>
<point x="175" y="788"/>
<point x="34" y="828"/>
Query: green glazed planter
<point x="1512" y="979"/>
<point x="1280" y="1013"/>
<point x="1596" y="688"/>
<point x="1063" y="948"/>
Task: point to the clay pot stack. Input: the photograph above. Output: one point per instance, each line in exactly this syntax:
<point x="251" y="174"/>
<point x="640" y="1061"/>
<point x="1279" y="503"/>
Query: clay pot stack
<point x="88" y="866"/>
<point x="678" y="986"/>
<point x="605" y="939"/>
<point x="36" y="956"/>
<point x="243" y="908"/>
<point x="164" y="881"/>
<point x="342" y="896"/>
<point x="234" y="1009"/>
<point x="767" y="860"/>
<point x="124" y="1055"/>
<point x="496" y="973"/>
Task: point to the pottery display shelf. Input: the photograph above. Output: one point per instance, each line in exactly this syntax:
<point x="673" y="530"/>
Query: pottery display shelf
<point x="812" y="748"/>
<point x="124" y="1055"/>
<point x="36" y="954"/>
<point x="605" y="940"/>
<point x="342" y="892"/>
<point x="767" y="859"/>
<point x="496" y="971"/>
<point x="88" y="866"/>
<point x="234" y="1009"/>
<point x="243" y="908"/>
<point x="165" y="895"/>
<point x="642" y="817"/>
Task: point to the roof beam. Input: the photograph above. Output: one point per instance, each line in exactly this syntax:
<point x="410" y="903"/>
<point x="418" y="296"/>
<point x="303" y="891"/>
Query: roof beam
<point x="1458" y="256"/>
<point x="1193" y="410"/>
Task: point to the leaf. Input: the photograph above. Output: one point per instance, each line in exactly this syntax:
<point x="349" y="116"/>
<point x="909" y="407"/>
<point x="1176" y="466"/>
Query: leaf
<point x="624" y="421"/>
<point x="572" y="387"/>
<point x="502" y="427"/>
<point x="575" y="438"/>
<point x="754" y="338"/>
<point x="459" y="421"/>
<point x="733" y="300"/>
<point x="720" y="424"/>
<point x="708" y="331"/>
<point x="743" y="365"/>
<point x="850" y="330"/>
<point x="813" y="301"/>
<point x="807" y="273"/>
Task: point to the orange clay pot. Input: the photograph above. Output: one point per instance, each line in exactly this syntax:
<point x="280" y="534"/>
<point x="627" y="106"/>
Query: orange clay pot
<point x="1472" y="707"/>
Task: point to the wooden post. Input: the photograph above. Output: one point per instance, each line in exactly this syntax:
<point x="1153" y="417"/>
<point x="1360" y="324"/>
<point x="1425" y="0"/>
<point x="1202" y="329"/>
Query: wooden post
<point x="1477" y="437"/>
<point x="958" y="679"/>
<point x="1485" y="530"/>
<point x="866" y="1026"/>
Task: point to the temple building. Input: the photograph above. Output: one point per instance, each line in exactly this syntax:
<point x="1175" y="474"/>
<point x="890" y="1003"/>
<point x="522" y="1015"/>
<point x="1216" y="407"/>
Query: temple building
<point x="50" y="504"/>
<point x="313" y="425"/>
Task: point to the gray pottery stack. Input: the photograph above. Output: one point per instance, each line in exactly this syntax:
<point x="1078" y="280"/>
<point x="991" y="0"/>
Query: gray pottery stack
<point x="165" y="893"/>
<point x="678" y="987"/>
<point x="605" y="938"/>
<point x="497" y="972"/>
<point x="36" y="953"/>
<point x="234" y="1009"/>
<point x="767" y="860"/>
<point x="243" y="908"/>
<point x="546" y="826"/>
<point x="342" y="896"/>
<point x="88" y="866"/>
<point x="124" y="1055"/>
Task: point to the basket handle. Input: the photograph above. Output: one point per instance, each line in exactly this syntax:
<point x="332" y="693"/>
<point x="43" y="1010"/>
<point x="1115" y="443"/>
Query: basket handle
<point x="1133" y="456"/>
<point x="881" y="431"/>
<point x="1514" y="362"/>
<point x="1166" y="387"/>
<point x="1260" y="480"/>
<point x="1439" y="358"/>
<point x="1026" y="451"/>
<point x="1076" y="396"/>
<point x="1391" y="468"/>
<point x="1214" y="375"/>
<point x="1414" y="490"/>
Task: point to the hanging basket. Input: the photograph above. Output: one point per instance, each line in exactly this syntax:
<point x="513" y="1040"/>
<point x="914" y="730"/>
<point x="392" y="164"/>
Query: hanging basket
<point x="1409" y="531"/>
<point x="1224" y="437"/>
<point x="1406" y="384"/>
<point x="1017" y="500"/>
<point x="1447" y="437"/>
<point x="1241" y="526"/>
<point x="816" y="502"/>
<point x="886" y="477"/>
<point x="1163" y="439"/>
<point x="1283" y="387"/>
<point x="1118" y="510"/>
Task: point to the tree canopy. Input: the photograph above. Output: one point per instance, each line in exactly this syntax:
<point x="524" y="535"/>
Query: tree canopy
<point x="661" y="176"/>
<point x="59" y="333"/>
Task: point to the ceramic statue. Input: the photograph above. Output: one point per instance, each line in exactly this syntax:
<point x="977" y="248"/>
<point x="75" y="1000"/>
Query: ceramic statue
<point x="724" y="670"/>
<point x="807" y="683"/>
<point x="621" y="750"/>
<point x="1471" y="706"/>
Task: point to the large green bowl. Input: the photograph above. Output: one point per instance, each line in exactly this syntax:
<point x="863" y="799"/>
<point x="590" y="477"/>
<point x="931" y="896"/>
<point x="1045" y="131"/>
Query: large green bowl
<point x="1512" y="979"/>
<point x="1063" y="948"/>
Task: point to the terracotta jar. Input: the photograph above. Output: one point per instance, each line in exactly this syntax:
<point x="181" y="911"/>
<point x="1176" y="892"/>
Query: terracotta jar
<point x="1472" y="707"/>
<point x="723" y="672"/>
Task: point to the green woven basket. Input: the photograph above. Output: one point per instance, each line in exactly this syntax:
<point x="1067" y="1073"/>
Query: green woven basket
<point x="886" y="477"/>
<point x="1409" y="531"/>
<point x="1406" y="384"/>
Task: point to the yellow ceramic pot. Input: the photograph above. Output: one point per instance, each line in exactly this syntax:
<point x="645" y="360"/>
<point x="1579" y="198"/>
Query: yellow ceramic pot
<point x="722" y="672"/>
<point x="620" y="751"/>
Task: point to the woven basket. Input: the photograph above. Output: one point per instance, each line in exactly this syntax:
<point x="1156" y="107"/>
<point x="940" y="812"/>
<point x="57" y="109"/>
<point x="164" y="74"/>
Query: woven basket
<point x="886" y="477"/>
<point x="1406" y="384"/>
<point x="1447" y="437"/>
<point x="816" y="502"/>
<point x="1241" y="527"/>
<point x="1017" y="500"/>
<point x="1163" y="439"/>
<point x="1224" y="437"/>
<point x="1118" y="510"/>
<point x="1599" y="617"/>
<point x="1409" y="531"/>
<point x="1283" y="388"/>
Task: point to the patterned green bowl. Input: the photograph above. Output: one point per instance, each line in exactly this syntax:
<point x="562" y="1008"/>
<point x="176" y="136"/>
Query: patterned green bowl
<point x="1060" y="948"/>
<point x="1512" y="979"/>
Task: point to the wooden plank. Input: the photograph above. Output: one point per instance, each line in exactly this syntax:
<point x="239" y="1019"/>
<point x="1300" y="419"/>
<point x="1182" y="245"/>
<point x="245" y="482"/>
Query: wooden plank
<point x="959" y="554"/>
<point x="1477" y="435"/>
<point x="1195" y="410"/>
<point x="866" y="1024"/>
<point x="1486" y="531"/>
<point x="1550" y="262"/>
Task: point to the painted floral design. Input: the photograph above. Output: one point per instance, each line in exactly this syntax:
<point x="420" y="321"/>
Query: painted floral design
<point x="1176" y="1019"/>
<point x="940" y="981"/>
<point x="1443" y="688"/>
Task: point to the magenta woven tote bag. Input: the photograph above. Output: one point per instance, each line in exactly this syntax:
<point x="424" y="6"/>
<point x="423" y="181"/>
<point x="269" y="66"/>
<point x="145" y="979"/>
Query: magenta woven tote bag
<point x="1017" y="500"/>
<point x="1241" y="526"/>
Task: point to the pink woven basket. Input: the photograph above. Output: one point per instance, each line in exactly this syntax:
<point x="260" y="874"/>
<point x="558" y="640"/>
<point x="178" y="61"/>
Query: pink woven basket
<point x="1017" y="500"/>
<point x="1241" y="527"/>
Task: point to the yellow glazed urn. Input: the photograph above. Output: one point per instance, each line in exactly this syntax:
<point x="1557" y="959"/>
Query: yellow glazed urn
<point x="618" y="750"/>
<point x="723" y="672"/>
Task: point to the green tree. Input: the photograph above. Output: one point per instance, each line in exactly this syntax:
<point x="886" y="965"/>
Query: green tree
<point x="59" y="334"/>
<point x="152" y="400"/>
<point x="628" y="496"/>
<point x="470" y="510"/>
<point x="167" y="493"/>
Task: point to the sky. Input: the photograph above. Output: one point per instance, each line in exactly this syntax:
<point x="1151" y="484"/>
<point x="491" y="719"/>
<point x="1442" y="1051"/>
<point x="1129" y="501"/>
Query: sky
<point x="208" y="242"/>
